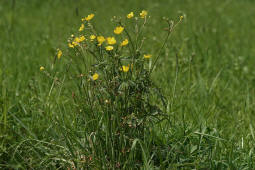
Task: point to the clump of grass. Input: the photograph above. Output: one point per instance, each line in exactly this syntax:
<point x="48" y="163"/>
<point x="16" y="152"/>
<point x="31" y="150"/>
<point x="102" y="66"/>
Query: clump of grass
<point x="119" y="100"/>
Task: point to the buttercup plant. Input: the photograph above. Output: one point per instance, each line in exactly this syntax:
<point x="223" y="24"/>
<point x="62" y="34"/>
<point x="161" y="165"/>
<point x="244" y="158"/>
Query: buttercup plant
<point x="115" y="89"/>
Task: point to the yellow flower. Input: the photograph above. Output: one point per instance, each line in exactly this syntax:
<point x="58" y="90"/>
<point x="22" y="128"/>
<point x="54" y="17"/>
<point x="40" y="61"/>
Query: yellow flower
<point x="118" y="30"/>
<point x="41" y="68"/>
<point x="143" y="14"/>
<point x="100" y="40"/>
<point x="81" y="28"/>
<point x="71" y="45"/>
<point x="109" y="48"/>
<point x="130" y="15"/>
<point x="89" y="17"/>
<point x="92" y="37"/>
<point x="95" y="76"/>
<point x="74" y="43"/>
<point x="111" y="40"/>
<point x="125" y="42"/>
<point x="82" y="38"/>
<point x="59" y="54"/>
<point x="125" y="68"/>
<point x="147" y="56"/>
<point x="78" y="40"/>
<point x="181" y="17"/>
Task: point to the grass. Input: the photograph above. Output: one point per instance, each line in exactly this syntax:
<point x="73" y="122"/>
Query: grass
<point x="205" y="72"/>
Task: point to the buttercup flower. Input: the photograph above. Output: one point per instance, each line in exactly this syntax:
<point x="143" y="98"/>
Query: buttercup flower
<point x="78" y="40"/>
<point x="147" y="56"/>
<point x="143" y="14"/>
<point x="181" y="17"/>
<point x="95" y="76"/>
<point x="88" y="18"/>
<point x="70" y="45"/>
<point x="59" y="54"/>
<point x="100" y="40"/>
<point x="109" y="48"/>
<point x="81" y="28"/>
<point x="82" y="38"/>
<point x="92" y="37"/>
<point x="41" y="68"/>
<point x="111" y="40"/>
<point x="125" y="68"/>
<point x="118" y="30"/>
<point x="74" y="43"/>
<point x="125" y="42"/>
<point x="130" y="15"/>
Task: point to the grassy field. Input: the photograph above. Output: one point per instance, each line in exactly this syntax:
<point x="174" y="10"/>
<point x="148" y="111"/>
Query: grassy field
<point x="206" y="72"/>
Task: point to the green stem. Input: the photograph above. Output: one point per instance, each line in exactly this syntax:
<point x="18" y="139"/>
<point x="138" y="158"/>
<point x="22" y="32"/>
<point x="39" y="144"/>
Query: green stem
<point x="171" y="27"/>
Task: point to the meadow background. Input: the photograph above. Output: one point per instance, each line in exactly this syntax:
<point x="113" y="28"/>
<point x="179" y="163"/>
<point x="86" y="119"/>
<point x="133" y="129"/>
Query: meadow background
<point x="211" y="102"/>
